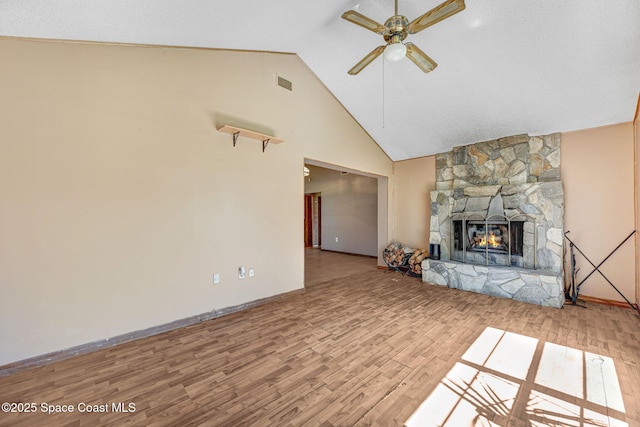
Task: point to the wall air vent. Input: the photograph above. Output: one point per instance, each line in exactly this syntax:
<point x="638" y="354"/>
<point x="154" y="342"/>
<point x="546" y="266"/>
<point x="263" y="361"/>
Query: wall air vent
<point x="284" y="83"/>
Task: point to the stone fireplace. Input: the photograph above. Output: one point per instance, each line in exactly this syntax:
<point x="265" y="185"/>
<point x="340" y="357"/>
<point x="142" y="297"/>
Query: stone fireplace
<point x="497" y="214"/>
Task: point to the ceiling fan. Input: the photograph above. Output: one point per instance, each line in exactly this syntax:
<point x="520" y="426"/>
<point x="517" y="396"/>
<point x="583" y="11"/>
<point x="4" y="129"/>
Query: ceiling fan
<point x="396" y="29"/>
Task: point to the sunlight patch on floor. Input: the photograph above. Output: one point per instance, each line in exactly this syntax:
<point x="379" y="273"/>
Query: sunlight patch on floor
<point x="602" y="382"/>
<point x="456" y="400"/>
<point x="512" y="355"/>
<point x="561" y="369"/>
<point x="571" y="387"/>
<point x="544" y="411"/>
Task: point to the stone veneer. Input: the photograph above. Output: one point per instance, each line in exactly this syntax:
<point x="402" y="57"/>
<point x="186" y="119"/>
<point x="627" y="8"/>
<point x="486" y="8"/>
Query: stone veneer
<point x="518" y="175"/>
<point x="532" y="286"/>
<point x="516" y="159"/>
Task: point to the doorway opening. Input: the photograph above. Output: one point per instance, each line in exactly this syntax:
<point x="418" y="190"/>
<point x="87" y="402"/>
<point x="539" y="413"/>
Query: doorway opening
<point x="351" y="208"/>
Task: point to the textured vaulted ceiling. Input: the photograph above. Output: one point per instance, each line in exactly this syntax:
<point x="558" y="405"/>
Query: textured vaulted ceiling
<point x="505" y="66"/>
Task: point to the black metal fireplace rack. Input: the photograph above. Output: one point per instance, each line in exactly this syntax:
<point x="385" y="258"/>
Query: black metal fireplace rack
<point x="573" y="290"/>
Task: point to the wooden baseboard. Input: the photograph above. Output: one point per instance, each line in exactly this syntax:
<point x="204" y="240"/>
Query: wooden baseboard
<point x="349" y="253"/>
<point x="603" y="301"/>
<point x="56" y="356"/>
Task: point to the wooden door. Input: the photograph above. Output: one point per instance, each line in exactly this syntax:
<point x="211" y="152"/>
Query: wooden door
<point x="319" y="221"/>
<point x="308" y="220"/>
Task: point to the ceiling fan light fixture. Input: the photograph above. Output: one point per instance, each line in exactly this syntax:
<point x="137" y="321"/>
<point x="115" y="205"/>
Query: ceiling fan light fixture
<point x="394" y="52"/>
<point x="396" y="29"/>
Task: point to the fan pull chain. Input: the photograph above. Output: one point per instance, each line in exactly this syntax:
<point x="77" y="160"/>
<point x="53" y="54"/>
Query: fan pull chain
<point x="383" y="109"/>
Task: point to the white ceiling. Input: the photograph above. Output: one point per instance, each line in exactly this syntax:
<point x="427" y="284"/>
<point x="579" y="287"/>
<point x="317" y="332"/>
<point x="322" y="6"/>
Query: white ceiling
<point x="505" y="66"/>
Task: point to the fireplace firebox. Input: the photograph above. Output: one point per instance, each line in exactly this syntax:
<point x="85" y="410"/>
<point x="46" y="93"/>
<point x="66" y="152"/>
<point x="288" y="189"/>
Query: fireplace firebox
<point x="490" y="242"/>
<point x="497" y="237"/>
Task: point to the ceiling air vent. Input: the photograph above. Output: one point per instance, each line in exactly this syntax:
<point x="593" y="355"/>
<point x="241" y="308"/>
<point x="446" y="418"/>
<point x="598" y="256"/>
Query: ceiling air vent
<point x="284" y="83"/>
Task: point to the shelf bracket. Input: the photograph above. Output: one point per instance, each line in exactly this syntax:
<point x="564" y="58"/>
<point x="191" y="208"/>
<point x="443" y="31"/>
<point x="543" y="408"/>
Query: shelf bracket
<point x="235" y="138"/>
<point x="265" y="142"/>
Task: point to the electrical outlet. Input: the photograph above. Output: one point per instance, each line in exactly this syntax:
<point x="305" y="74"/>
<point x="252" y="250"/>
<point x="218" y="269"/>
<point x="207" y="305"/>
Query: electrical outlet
<point x="251" y="272"/>
<point x="216" y="278"/>
<point x="336" y="240"/>
<point x="241" y="273"/>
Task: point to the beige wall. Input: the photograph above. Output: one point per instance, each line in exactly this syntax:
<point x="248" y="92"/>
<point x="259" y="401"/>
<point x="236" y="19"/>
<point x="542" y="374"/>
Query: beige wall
<point x="413" y="182"/>
<point x="636" y="134"/>
<point x="119" y="199"/>
<point x="598" y="176"/>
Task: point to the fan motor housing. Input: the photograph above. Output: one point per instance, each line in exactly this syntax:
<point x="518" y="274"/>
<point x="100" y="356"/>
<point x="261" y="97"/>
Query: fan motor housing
<point x="396" y="28"/>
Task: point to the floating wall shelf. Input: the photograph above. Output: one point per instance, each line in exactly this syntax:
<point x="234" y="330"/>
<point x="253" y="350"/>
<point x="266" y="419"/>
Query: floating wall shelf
<point x="235" y="132"/>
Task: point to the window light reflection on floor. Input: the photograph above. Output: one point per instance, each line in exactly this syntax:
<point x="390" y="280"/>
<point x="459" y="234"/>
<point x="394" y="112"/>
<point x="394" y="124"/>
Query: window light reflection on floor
<point x="510" y="353"/>
<point x="569" y="387"/>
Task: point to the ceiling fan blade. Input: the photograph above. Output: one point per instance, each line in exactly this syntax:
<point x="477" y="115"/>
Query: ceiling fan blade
<point x="435" y="15"/>
<point x="366" y="60"/>
<point x="420" y="58"/>
<point x="363" y="21"/>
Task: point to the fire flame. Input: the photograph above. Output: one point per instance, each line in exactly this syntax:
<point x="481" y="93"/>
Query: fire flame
<point x="491" y="242"/>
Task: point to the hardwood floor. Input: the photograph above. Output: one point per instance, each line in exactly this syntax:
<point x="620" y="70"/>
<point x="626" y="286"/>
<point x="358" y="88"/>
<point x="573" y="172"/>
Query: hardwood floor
<point x="360" y="347"/>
